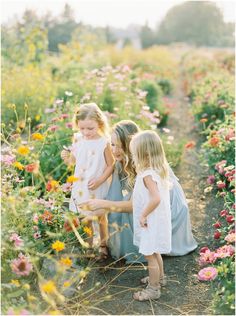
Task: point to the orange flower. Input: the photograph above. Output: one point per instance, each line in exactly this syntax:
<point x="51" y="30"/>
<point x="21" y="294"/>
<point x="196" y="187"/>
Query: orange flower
<point x="32" y="167"/>
<point x="190" y="145"/>
<point x="23" y="150"/>
<point x="52" y="185"/>
<point x="58" y="245"/>
<point x="66" y="261"/>
<point x="214" y="141"/>
<point x="47" y="217"/>
<point x="37" y="136"/>
<point x="203" y="120"/>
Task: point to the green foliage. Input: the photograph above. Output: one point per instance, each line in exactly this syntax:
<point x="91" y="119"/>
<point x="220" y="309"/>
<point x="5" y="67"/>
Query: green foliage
<point x="154" y="94"/>
<point x="147" y="36"/>
<point x="166" y="86"/>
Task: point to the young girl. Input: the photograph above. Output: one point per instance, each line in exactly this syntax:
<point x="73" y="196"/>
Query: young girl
<point x="91" y="153"/>
<point x="151" y="208"/>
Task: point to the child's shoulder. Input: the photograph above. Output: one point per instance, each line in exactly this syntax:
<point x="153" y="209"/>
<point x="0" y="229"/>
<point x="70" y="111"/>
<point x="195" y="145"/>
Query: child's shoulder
<point x="149" y="172"/>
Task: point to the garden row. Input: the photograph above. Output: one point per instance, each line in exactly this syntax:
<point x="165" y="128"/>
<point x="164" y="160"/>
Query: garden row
<point x="209" y="83"/>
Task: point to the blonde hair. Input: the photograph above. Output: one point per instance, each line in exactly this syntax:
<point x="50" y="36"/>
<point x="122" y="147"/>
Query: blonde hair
<point x="147" y="152"/>
<point x="124" y="130"/>
<point x="92" y="112"/>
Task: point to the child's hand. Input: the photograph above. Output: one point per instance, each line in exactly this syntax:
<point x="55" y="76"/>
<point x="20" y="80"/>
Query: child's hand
<point x="65" y="154"/>
<point x="93" y="184"/>
<point x="143" y="221"/>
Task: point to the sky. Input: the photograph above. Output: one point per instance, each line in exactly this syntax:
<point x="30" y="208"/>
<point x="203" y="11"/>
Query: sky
<point x="117" y="13"/>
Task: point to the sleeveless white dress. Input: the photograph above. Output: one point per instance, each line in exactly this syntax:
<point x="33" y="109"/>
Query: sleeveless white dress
<point x="90" y="164"/>
<point x="156" y="237"/>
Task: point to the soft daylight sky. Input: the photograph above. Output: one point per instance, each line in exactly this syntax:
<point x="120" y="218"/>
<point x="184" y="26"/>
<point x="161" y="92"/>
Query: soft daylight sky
<point x="118" y="13"/>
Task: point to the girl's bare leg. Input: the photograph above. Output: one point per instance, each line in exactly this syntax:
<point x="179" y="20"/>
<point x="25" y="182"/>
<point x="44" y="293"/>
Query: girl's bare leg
<point x="103" y="228"/>
<point x="160" y="264"/>
<point x="153" y="270"/>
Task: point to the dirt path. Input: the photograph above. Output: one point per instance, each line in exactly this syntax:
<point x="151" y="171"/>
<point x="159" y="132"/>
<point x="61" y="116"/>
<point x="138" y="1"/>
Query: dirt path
<point x="184" y="294"/>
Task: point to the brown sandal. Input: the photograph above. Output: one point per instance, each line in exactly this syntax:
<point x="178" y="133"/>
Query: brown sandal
<point x="149" y="293"/>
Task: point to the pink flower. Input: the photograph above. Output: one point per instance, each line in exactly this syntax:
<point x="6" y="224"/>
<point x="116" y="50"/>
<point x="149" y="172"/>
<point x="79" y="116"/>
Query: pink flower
<point x="207" y="274"/>
<point x="35" y="218"/>
<point x="207" y="257"/>
<point x="22" y="265"/>
<point x="230" y="238"/>
<point x="53" y="128"/>
<point x="224" y="251"/>
<point x="211" y="179"/>
<point x="22" y="312"/>
<point x="8" y="159"/>
<point x="66" y="187"/>
<point x="69" y="125"/>
<point x="37" y="235"/>
<point x="220" y="185"/>
<point x="18" y="242"/>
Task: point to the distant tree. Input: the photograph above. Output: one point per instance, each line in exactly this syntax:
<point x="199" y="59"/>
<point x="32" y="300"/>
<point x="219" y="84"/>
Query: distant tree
<point x="194" y="22"/>
<point x="147" y="36"/>
<point x="60" y="31"/>
<point x="110" y="38"/>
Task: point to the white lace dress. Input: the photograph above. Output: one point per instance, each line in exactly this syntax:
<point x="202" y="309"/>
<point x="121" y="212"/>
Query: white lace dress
<point x="156" y="237"/>
<point x="90" y="164"/>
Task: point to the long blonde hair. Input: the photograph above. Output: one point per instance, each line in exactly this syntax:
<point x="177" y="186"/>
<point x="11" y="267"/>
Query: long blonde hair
<point x="92" y="112"/>
<point x="124" y="130"/>
<point x="147" y="152"/>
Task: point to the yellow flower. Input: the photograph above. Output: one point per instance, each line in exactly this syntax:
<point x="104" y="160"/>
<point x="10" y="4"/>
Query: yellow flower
<point x="88" y="231"/>
<point x="37" y="136"/>
<point x="37" y="117"/>
<point x="26" y="286"/>
<point x="18" y="165"/>
<point x="55" y="312"/>
<point x="72" y="179"/>
<point x="49" y="287"/>
<point x="23" y="150"/>
<point x="66" y="261"/>
<point x="15" y="282"/>
<point x="66" y="284"/>
<point x="58" y="245"/>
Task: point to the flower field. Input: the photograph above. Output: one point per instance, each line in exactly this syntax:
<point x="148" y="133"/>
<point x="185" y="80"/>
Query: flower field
<point x="41" y="239"/>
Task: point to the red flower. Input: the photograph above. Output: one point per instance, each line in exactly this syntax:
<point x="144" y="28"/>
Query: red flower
<point x="190" y="145"/>
<point x="217" y="225"/>
<point x="229" y="219"/>
<point x="204" y="249"/>
<point x="221" y="185"/>
<point x="217" y="234"/>
<point x="223" y="213"/>
<point x="214" y="141"/>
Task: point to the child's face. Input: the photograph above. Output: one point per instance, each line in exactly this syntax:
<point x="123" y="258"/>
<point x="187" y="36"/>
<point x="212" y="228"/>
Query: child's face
<point x="89" y="129"/>
<point x="116" y="148"/>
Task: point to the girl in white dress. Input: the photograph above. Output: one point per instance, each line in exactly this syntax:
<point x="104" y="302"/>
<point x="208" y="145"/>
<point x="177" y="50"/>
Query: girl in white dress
<point x="151" y="208"/>
<point x="91" y="153"/>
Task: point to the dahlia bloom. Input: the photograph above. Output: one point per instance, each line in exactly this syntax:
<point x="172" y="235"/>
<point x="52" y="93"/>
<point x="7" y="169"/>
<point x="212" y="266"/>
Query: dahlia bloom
<point x="22" y="265"/>
<point x="207" y="274"/>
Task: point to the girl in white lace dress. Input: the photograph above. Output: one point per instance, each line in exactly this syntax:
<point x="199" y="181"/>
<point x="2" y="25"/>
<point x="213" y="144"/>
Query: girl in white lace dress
<point x="94" y="162"/>
<point x="151" y="208"/>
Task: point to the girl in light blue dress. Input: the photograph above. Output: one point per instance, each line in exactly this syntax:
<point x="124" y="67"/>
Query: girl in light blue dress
<point x="119" y="206"/>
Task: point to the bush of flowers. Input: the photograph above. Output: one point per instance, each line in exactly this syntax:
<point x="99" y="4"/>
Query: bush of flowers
<point x="212" y="101"/>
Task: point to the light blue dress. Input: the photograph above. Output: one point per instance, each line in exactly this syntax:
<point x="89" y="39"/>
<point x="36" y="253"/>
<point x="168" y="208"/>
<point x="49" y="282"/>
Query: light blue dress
<point x="120" y="225"/>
